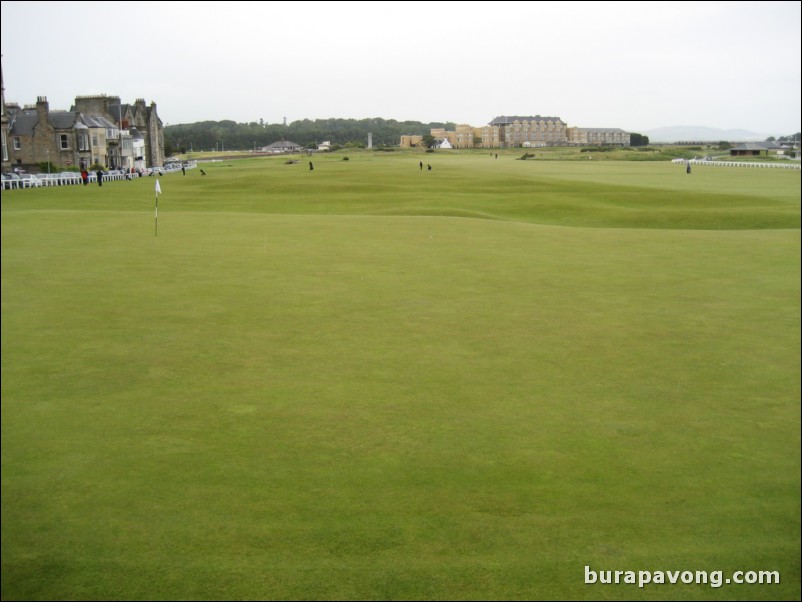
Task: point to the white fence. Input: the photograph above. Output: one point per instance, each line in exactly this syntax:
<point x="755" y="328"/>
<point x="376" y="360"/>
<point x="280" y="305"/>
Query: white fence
<point x="739" y="164"/>
<point x="68" y="178"/>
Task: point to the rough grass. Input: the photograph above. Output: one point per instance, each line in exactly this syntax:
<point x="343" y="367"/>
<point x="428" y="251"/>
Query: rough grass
<point x="332" y="385"/>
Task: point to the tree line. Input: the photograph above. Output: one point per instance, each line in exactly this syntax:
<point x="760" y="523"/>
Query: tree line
<point x="229" y="135"/>
<point x="350" y="133"/>
<point x="792" y="138"/>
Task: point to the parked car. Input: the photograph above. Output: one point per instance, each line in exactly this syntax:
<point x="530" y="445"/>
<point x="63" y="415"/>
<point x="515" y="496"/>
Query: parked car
<point x="7" y="182"/>
<point x="30" y="181"/>
<point x="11" y="180"/>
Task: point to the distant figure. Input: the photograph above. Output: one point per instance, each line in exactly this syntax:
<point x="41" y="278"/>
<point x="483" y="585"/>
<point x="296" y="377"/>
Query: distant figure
<point x="421" y="165"/>
<point x="688" y="168"/>
<point x="183" y="170"/>
<point x="429" y="167"/>
<point x="496" y="155"/>
<point x="99" y="175"/>
<point x="311" y="167"/>
<point x="85" y="176"/>
<point x="203" y="173"/>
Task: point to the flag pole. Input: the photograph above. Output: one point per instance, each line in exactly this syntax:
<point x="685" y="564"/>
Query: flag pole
<point x="158" y="190"/>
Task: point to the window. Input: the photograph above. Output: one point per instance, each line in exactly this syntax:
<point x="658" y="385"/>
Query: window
<point x="94" y="140"/>
<point x="83" y="142"/>
<point x="64" y="141"/>
<point x="17" y="143"/>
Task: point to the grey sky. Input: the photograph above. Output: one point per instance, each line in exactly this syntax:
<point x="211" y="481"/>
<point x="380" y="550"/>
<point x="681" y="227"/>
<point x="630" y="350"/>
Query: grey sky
<point x="633" y="65"/>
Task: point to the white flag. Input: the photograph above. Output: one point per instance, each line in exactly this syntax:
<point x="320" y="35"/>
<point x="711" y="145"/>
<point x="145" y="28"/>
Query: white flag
<point x="158" y="188"/>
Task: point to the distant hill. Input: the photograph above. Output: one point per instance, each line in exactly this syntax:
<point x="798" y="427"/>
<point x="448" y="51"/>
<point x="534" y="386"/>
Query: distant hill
<point x="696" y="133"/>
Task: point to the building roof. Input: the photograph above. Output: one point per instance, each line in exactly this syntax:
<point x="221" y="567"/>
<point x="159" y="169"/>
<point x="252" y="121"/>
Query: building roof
<point x="21" y="123"/>
<point x="63" y="120"/>
<point x="96" y="121"/>
<point x="282" y="144"/>
<point x="746" y="146"/>
<point x="602" y="130"/>
<point x="508" y="119"/>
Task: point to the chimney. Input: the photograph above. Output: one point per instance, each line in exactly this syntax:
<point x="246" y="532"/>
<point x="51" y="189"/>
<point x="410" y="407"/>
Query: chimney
<point x="42" y="109"/>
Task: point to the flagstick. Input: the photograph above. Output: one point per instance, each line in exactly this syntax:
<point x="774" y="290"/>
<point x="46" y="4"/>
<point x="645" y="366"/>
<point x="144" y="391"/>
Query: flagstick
<point x="158" y="192"/>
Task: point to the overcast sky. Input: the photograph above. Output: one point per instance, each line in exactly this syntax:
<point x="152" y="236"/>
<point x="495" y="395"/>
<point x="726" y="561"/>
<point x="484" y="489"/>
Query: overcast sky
<point x="633" y="65"/>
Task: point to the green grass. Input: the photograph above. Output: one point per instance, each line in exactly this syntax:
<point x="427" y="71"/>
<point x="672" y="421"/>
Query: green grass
<point x="338" y="384"/>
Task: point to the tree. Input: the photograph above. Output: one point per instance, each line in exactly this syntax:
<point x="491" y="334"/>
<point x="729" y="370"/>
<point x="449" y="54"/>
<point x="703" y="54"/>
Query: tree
<point x="429" y="141"/>
<point x="638" y="140"/>
<point x="244" y="136"/>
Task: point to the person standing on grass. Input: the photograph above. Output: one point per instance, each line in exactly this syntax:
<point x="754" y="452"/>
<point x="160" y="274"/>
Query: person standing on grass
<point x="99" y="175"/>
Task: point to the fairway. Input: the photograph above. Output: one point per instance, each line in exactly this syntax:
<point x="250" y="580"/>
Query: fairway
<point x="374" y="381"/>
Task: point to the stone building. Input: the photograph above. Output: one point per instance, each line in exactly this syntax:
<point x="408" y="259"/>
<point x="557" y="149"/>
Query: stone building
<point x="139" y="119"/>
<point x="37" y="135"/>
<point x="465" y="136"/>
<point x="4" y="140"/>
<point x="490" y="136"/>
<point x="515" y="131"/>
<point x="598" y="136"/>
<point x="410" y="141"/>
<point x="523" y="132"/>
<point x="441" y="135"/>
<point x="97" y="130"/>
<point x="503" y="132"/>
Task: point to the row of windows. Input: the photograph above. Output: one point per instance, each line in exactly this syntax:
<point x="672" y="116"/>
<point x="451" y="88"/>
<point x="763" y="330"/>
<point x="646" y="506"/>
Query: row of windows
<point x="533" y="137"/>
<point x="82" y="140"/>
<point x="64" y="142"/>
